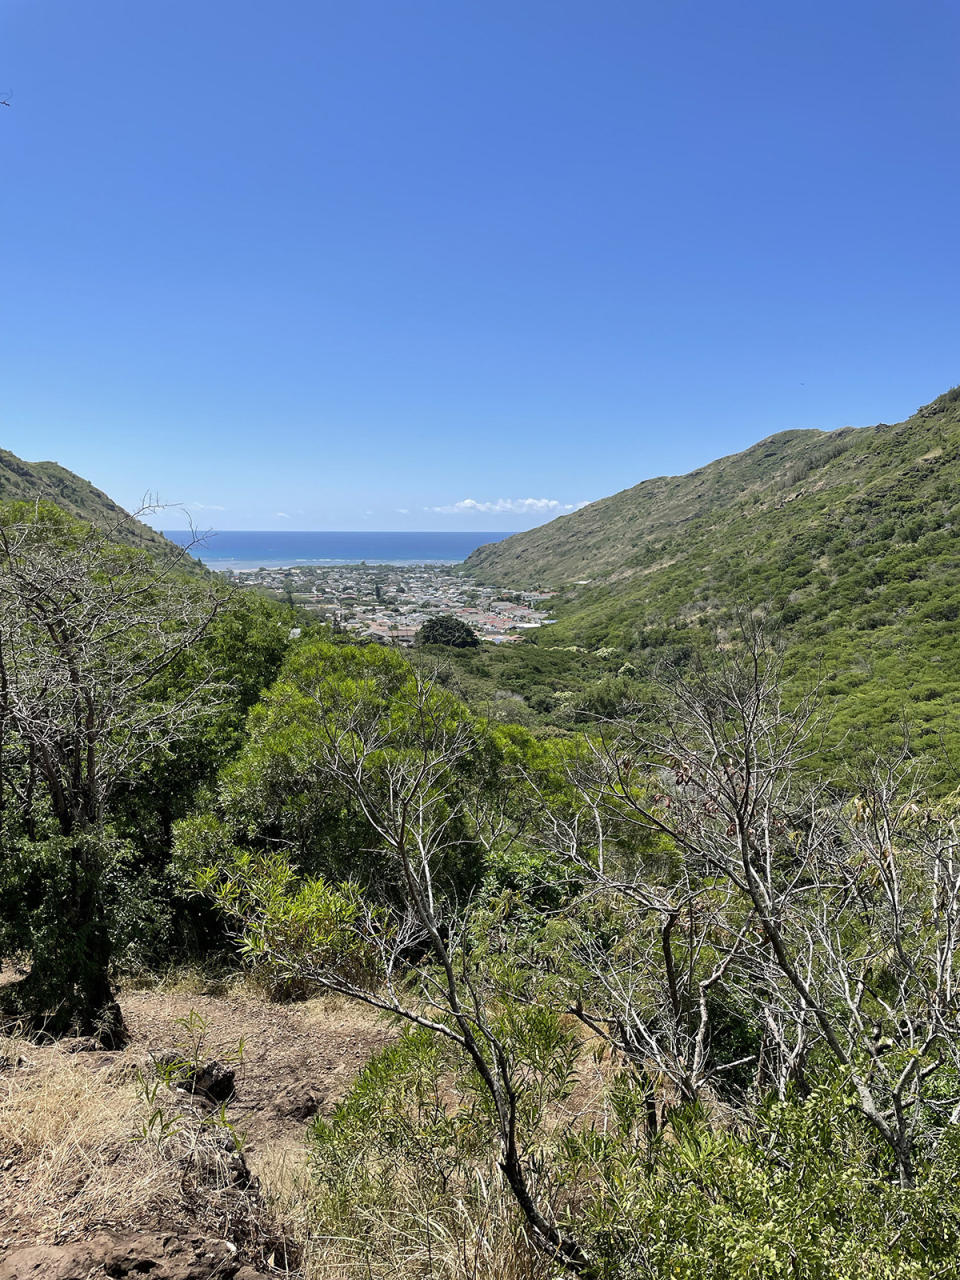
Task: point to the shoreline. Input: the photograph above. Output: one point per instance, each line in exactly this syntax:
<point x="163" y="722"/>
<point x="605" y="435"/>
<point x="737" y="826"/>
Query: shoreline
<point x="251" y="566"/>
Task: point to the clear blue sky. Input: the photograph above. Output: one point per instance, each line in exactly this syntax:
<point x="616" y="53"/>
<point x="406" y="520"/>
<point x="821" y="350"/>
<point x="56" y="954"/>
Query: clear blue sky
<point x="356" y="261"/>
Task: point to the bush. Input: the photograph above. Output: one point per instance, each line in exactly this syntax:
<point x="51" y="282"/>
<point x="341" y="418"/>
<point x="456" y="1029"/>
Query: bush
<point x="804" y="1192"/>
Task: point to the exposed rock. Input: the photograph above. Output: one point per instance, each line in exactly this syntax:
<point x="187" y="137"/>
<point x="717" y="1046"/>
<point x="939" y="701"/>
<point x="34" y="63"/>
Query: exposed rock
<point x="297" y="1103"/>
<point x="160" y="1257"/>
<point x="212" y="1081"/>
<point x="209" y="1222"/>
<point x="48" y="1262"/>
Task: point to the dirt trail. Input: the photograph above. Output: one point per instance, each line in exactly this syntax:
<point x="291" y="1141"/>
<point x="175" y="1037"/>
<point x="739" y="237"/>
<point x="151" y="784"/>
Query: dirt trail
<point x="79" y="1200"/>
<point x="298" y="1059"/>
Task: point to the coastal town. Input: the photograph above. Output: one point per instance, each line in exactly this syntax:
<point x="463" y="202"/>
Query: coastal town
<point x="389" y="603"/>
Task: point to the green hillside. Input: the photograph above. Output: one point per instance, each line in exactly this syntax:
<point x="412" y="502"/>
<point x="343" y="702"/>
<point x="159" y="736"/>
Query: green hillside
<point x="851" y="539"/>
<point x="26" y="481"/>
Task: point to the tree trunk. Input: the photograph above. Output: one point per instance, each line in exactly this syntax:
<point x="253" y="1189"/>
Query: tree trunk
<point x="68" y="989"/>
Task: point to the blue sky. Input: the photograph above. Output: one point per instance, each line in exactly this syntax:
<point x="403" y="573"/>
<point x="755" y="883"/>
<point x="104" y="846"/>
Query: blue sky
<point x="353" y="265"/>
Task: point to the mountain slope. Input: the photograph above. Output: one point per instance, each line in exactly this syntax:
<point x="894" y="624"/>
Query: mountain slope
<point x="26" y="481"/>
<point x="850" y="539"/>
<point x="754" y="503"/>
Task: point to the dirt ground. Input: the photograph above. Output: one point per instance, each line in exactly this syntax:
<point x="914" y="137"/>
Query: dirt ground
<point x="79" y="1199"/>
<point x="297" y="1059"/>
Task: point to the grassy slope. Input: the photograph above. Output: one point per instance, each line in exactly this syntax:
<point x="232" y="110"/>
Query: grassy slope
<point x="26" y="481"/>
<point x="852" y="540"/>
<point x="620" y="535"/>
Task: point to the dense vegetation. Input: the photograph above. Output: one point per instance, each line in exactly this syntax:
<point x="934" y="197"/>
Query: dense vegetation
<point x="448" y="630"/>
<point x="673" y="1008"/>
<point x="674" y="961"/>
<point x="123" y="685"/>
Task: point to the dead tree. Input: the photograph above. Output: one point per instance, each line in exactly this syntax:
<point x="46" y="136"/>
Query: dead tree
<point x="849" y="905"/>
<point x="650" y="942"/>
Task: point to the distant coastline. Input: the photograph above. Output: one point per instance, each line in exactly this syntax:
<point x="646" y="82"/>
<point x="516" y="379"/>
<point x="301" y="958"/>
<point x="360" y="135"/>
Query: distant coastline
<point x="247" y="549"/>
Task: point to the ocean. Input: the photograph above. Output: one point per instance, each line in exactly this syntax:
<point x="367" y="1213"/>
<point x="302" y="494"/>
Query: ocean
<point x="284" y="548"/>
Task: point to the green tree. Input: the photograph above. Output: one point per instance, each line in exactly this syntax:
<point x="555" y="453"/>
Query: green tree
<point x="88" y="631"/>
<point x="448" y="630"/>
<point x="415" y="764"/>
<point x="242" y="650"/>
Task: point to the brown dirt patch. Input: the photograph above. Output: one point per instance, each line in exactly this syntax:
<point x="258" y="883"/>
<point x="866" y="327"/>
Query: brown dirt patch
<point x="72" y="1180"/>
<point x="298" y="1059"/>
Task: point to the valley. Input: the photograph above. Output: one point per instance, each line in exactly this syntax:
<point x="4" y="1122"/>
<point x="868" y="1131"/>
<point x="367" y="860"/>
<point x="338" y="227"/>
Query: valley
<point x="390" y="603"/>
<point x="329" y="941"/>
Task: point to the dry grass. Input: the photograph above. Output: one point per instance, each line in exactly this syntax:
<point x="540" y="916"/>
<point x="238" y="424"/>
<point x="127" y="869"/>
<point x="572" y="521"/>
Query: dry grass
<point x="194" y="980"/>
<point x="470" y="1237"/>
<point x="84" y="1147"/>
<point x="471" y="1230"/>
<point x="410" y="1229"/>
<point x="82" y="1150"/>
<point x="228" y="980"/>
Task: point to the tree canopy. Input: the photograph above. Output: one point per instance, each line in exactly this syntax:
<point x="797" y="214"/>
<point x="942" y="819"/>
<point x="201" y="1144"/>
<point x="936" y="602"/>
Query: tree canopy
<point x="111" y="668"/>
<point x="448" y="630"/>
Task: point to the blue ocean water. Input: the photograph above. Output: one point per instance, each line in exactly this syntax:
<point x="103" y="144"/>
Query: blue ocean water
<point x="249" y="549"/>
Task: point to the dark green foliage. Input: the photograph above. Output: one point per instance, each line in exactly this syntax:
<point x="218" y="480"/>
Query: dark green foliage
<point x="450" y="631"/>
<point x="277" y="793"/>
<point x="243" y="650"/>
<point x="111" y="665"/>
<point x="537" y="684"/>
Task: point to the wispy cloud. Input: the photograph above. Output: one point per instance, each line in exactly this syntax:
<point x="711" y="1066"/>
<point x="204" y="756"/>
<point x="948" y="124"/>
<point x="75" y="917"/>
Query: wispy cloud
<point x="205" y="506"/>
<point x="514" y="506"/>
<point x="281" y="515"/>
<point x="403" y="511"/>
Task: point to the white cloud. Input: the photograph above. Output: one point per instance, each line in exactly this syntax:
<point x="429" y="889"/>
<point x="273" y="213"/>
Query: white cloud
<point x="205" y="506"/>
<point x="515" y="506"/>
<point x="281" y="515"/>
<point x="403" y="511"/>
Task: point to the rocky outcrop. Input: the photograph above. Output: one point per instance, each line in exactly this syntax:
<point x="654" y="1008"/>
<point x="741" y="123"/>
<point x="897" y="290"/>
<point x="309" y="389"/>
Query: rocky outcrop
<point x="158" y="1257"/>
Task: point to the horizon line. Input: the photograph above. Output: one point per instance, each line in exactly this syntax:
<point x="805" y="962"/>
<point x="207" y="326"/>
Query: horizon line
<point x="368" y="532"/>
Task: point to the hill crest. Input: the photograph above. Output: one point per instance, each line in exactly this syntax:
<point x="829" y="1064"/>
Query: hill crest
<point x="847" y="541"/>
<point x="22" y="481"/>
<point x="607" y="535"/>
